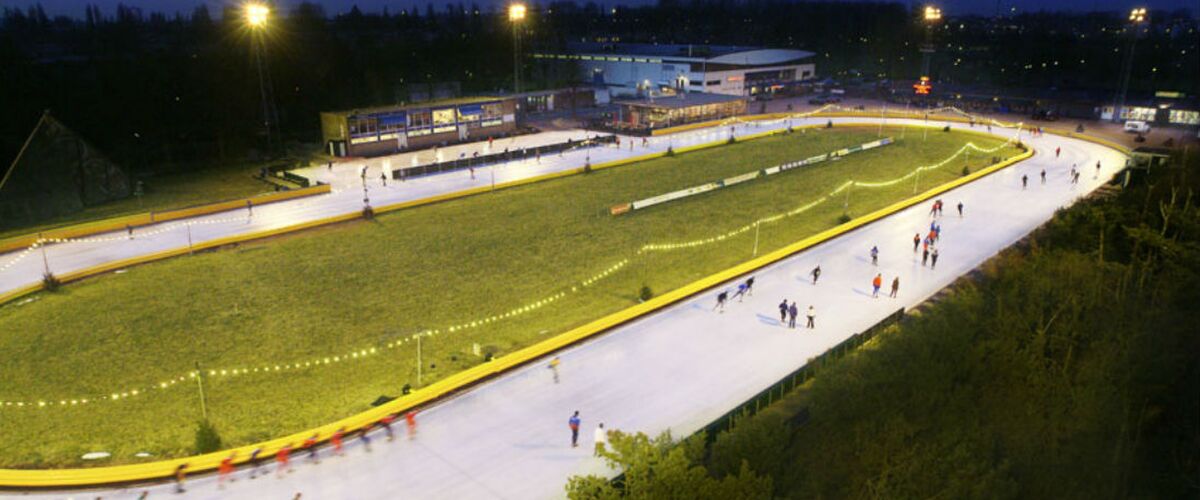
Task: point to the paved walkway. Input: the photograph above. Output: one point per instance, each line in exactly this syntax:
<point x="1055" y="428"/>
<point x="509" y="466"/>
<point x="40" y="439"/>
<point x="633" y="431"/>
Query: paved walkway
<point x="678" y="369"/>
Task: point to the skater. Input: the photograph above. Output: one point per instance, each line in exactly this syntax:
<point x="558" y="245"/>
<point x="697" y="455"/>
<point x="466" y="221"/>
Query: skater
<point x="554" y="368"/>
<point x="895" y="286"/>
<point x="721" y="300"/>
<point x="937" y="233"/>
<point x="249" y="211"/>
<point x="916" y="242"/>
<point x="793" y="311"/>
<point x="750" y="286"/>
<point x="601" y="435"/>
<point x="874" y="256"/>
<point x="224" y="470"/>
<point x="960" y="209"/>
<point x="472" y="169"/>
<point x="336" y="439"/>
<point x="281" y="460"/>
<point x="816" y="273"/>
<point x="1043" y="177"/>
<point x="330" y="166"/>
<point x="933" y="210"/>
<point x="365" y="438"/>
<point x="741" y="292"/>
<point x="573" y="423"/>
<point x="925" y="255"/>
<point x="363" y="174"/>
<point x="383" y="177"/>
<point x="1075" y="178"/>
<point x="875" y="284"/>
<point x="180" y="477"/>
<point x="254" y="460"/>
<point x="783" y="312"/>
<point x="1097" y="176"/>
<point x="812" y="318"/>
<point x="386" y="423"/>
<point x="310" y="444"/>
<point x="1057" y="151"/>
<point x="410" y="422"/>
<point x="933" y="259"/>
<point x="941" y="207"/>
<point x="1024" y="181"/>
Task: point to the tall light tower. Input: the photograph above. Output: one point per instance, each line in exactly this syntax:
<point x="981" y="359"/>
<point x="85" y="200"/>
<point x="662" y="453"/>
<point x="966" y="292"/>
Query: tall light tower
<point x="1136" y="18"/>
<point x="516" y="14"/>
<point x="930" y="17"/>
<point x="257" y="15"/>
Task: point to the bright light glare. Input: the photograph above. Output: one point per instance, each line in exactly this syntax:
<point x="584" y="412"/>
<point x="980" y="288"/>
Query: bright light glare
<point x="1137" y="15"/>
<point x="256" y="14"/>
<point x="516" y="12"/>
<point x="932" y="13"/>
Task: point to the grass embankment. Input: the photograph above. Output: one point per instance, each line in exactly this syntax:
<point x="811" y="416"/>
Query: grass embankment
<point x="1066" y="369"/>
<point x="164" y="192"/>
<point x="364" y="285"/>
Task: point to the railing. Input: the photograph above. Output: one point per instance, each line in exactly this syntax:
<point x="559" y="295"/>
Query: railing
<point x="501" y="157"/>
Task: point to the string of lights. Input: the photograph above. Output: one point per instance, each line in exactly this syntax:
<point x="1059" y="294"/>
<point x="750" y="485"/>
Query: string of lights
<point x="527" y="308"/>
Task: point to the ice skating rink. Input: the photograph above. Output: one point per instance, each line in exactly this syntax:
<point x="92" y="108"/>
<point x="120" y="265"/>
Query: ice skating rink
<point x="677" y="369"/>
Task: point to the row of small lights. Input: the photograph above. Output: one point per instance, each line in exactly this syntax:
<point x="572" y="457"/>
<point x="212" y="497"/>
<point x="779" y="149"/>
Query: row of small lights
<point x="530" y="307"/>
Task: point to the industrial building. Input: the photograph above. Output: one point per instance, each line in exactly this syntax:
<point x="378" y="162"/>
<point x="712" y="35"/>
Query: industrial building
<point x="390" y="129"/>
<point x="632" y="69"/>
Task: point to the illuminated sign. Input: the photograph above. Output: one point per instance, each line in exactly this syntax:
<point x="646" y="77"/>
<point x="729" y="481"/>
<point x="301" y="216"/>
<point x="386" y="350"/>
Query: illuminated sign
<point x="922" y="87"/>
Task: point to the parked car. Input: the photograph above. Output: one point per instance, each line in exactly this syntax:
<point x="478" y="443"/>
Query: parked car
<point x="1137" y="126"/>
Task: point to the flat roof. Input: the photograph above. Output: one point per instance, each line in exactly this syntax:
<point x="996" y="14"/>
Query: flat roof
<point x="680" y="101"/>
<point x="420" y="105"/>
<point x="723" y="54"/>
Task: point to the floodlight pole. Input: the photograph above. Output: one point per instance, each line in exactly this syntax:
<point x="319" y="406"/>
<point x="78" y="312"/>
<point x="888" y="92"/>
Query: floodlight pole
<point x="200" y="385"/>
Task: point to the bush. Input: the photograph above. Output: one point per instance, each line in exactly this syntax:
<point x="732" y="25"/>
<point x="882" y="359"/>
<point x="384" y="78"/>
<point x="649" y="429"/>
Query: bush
<point x="645" y="293"/>
<point x="844" y="218"/>
<point x="670" y="151"/>
<point x="368" y="212"/>
<point x="50" y="282"/>
<point x="207" y="439"/>
<point x="829" y="124"/>
<point x="966" y="170"/>
<point x="946" y="128"/>
<point x="731" y="140"/>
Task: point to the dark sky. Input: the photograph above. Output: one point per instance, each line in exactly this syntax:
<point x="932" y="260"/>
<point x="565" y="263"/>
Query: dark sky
<point x="75" y="7"/>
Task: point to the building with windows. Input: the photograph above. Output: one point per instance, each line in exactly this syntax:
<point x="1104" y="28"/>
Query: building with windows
<point x="391" y="129"/>
<point x="634" y="69"/>
<point x="645" y="115"/>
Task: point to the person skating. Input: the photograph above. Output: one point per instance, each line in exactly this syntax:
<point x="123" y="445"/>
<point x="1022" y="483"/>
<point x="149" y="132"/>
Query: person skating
<point x="573" y="424"/>
<point x="180" y="477"/>
<point x="601" y="436"/>
<point x="365" y="437"/>
<point x="336" y="439"/>
<point x="1057" y="151"/>
<point x="812" y="318"/>
<point x="310" y="445"/>
<point x="783" y="312"/>
<point x="816" y="273"/>
<point x="960" y="209"/>
<point x="874" y="256"/>
<point x="554" y="368"/>
<point x="941" y="206"/>
<point x="282" y="460"/>
<point x="410" y="423"/>
<point x="1075" y="178"/>
<point x="254" y="460"/>
<point x="925" y="254"/>
<point x="1043" y="177"/>
<point x="386" y="423"/>
<point x="1024" y="181"/>
<point x="793" y="311"/>
<point x="225" y="470"/>
<point x="1097" y="176"/>
<point x="750" y="286"/>
<point x="933" y="259"/>
<point x="876" y="284"/>
<point x="472" y="169"/>
<point x="916" y="242"/>
<point x="721" y="297"/>
<point x="933" y="209"/>
<point x="383" y="177"/>
<point x="895" y="286"/>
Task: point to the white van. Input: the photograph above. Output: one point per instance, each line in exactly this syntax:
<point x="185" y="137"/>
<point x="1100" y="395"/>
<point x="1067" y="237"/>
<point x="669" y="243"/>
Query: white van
<point x="1136" y="126"/>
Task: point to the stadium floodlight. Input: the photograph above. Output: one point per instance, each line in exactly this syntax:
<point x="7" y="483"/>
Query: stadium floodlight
<point x="932" y="13"/>
<point x="516" y="12"/>
<point x="1137" y="15"/>
<point x="256" y="14"/>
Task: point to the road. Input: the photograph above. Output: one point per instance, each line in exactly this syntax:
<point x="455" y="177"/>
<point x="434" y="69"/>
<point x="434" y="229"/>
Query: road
<point x="677" y="369"/>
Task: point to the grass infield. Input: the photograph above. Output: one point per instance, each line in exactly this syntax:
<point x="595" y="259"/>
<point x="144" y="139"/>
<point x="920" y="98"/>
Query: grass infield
<point x="362" y="285"/>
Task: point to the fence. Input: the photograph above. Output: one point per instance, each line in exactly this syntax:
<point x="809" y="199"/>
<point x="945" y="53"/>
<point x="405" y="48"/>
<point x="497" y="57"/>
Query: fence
<point x="505" y="156"/>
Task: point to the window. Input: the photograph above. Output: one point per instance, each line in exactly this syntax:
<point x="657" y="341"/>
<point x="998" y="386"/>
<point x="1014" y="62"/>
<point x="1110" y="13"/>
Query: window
<point x="419" y="119"/>
<point x="443" y="117"/>
<point x="493" y="110"/>
<point x="1138" y="113"/>
<point x="361" y="126"/>
<point x="1185" y="117"/>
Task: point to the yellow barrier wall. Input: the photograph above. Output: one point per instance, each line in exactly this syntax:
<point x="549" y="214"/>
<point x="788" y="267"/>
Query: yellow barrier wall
<point x="64" y="478"/>
<point x="136" y="220"/>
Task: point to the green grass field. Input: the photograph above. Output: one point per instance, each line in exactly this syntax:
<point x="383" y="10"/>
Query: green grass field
<point x="165" y="192"/>
<point x="362" y="285"/>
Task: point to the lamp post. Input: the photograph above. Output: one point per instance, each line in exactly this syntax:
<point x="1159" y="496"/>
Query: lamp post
<point x="516" y="14"/>
<point x="930" y="16"/>
<point x="257" y="15"/>
<point x="1136" y="18"/>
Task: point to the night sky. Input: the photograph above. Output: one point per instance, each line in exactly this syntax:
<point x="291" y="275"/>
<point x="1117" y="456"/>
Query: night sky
<point x="75" y="7"/>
